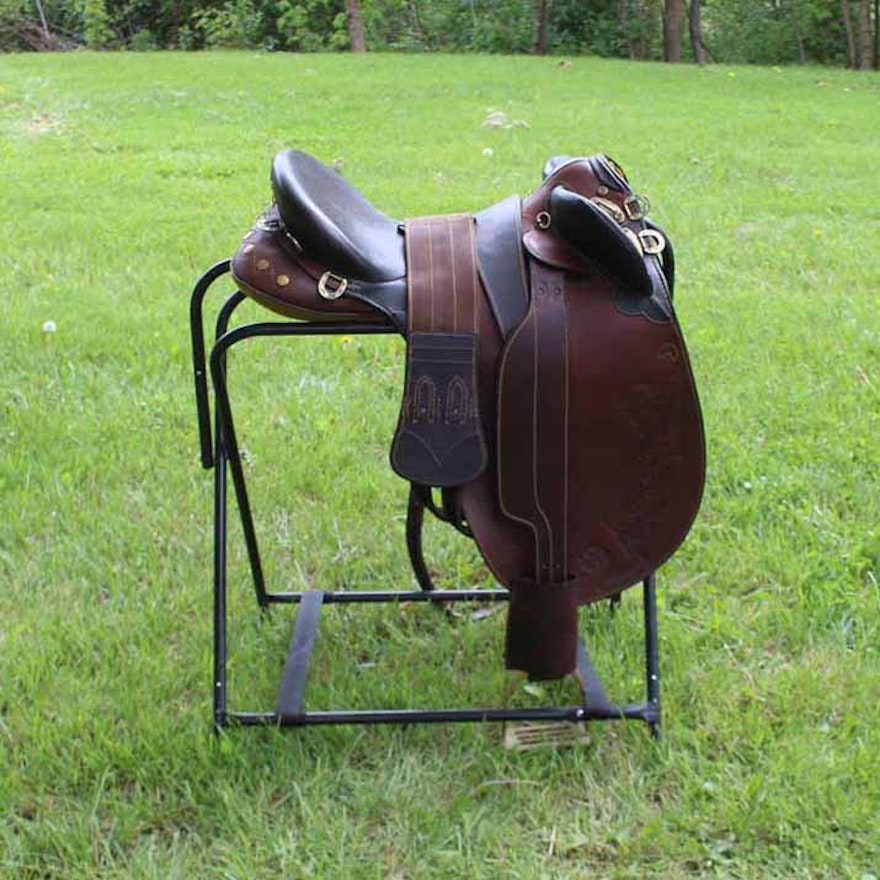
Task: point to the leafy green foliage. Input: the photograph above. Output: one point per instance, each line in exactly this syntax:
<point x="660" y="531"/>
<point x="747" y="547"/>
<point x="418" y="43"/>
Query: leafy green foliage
<point x="750" y="31"/>
<point x="235" y="24"/>
<point x="311" y="26"/>
<point x="767" y="32"/>
<point x="96" y="24"/>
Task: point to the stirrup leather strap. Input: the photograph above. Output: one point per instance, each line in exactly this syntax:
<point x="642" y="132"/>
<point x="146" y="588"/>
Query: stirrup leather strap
<point x="439" y="440"/>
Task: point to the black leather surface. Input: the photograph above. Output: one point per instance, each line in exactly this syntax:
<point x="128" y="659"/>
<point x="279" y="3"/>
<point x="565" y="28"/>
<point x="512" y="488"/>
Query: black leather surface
<point x="502" y="269"/>
<point x="333" y="222"/>
<point x="609" y="172"/>
<point x="592" y="232"/>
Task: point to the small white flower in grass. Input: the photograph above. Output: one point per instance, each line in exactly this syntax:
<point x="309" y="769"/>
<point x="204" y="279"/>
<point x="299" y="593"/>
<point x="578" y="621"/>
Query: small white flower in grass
<point x="488" y="152"/>
<point x="49" y="327"/>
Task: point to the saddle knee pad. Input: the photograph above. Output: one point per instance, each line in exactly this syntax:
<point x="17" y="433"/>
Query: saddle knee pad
<point x="439" y="440"/>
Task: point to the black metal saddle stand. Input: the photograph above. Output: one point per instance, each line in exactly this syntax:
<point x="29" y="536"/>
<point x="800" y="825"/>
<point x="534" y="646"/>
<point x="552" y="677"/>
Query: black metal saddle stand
<point x="220" y="450"/>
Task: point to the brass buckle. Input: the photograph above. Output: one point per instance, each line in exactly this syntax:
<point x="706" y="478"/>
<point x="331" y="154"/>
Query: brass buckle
<point x="652" y="241"/>
<point x="332" y="293"/>
<point x="636" y="207"/>
<point x="610" y="208"/>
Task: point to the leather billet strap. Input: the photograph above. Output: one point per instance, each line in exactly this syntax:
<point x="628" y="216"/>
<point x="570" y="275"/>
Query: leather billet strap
<point x="541" y="636"/>
<point x="533" y="478"/>
<point x="532" y="435"/>
<point x="439" y="439"/>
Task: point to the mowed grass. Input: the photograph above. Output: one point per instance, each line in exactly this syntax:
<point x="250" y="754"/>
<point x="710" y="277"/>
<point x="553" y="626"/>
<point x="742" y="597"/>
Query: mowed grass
<point x="122" y="178"/>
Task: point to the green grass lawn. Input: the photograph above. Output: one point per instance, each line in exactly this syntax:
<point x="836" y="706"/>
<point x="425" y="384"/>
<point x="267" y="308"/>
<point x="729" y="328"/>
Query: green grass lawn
<point x="122" y="177"/>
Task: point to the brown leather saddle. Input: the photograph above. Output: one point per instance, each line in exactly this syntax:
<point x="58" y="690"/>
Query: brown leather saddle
<point x="548" y="395"/>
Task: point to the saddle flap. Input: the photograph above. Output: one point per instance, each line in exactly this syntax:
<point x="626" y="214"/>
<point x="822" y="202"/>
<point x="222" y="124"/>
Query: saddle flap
<point x="439" y="441"/>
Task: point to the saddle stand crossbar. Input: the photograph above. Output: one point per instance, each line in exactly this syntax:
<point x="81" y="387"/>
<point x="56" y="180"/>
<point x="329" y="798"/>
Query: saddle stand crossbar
<point x="220" y="451"/>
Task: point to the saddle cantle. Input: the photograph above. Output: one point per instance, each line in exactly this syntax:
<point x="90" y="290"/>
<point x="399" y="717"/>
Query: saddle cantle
<point x="548" y="389"/>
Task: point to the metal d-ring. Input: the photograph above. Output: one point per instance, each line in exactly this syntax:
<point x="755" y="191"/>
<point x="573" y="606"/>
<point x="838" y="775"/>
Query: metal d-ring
<point x="652" y="241"/>
<point x="543" y="220"/>
<point x="335" y="292"/>
<point x="636" y="207"/>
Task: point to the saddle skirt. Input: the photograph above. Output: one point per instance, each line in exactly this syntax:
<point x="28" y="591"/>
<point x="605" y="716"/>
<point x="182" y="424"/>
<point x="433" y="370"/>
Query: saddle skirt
<point x="548" y="388"/>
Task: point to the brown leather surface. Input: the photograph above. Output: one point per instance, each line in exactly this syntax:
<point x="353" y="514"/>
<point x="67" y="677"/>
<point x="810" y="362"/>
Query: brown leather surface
<point x="439" y="438"/>
<point x="636" y="459"/>
<point x="635" y="446"/>
<point x="266" y="268"/>
<point x="532" y="433"/>
<point x="541" y="636"/>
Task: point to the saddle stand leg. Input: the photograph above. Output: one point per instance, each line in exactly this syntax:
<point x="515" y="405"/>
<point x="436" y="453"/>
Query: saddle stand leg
<point x="652" y="653"/>
<point x="289" y="709"/>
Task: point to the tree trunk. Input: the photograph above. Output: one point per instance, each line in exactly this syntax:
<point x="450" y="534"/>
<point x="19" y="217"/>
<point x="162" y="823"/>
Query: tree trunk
<point x="695" y="14"/>
<point x="865" y="34"/>
<point x="46" y="33"/>
<point x="541" y="9"/>
<point x="673" y="20"/>
<point x="355" y="23"/>
<point x="876" y="34"/>
<point x="850" y="35"/>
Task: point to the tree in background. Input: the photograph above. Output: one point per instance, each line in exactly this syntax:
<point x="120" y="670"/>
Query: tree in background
<point x="865" y="36"/>
<point x="673" y="21"/>
<point x="841" y="32"/>
<point x="541" y="9"/>
<point x="876" y="34"/>
<point x="695" y="28"/>
<point x="850" y="34"/>
<point x="355" y="19"/>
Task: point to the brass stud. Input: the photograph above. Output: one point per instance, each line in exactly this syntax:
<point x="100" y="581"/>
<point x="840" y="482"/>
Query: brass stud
<point x="282" y="280"/>
<point x="602" y="191"/>
<point x="262" y="264"/>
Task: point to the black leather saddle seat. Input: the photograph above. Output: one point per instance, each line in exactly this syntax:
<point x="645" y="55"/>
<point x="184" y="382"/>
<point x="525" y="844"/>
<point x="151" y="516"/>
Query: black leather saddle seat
<point x="335" y="225"/>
